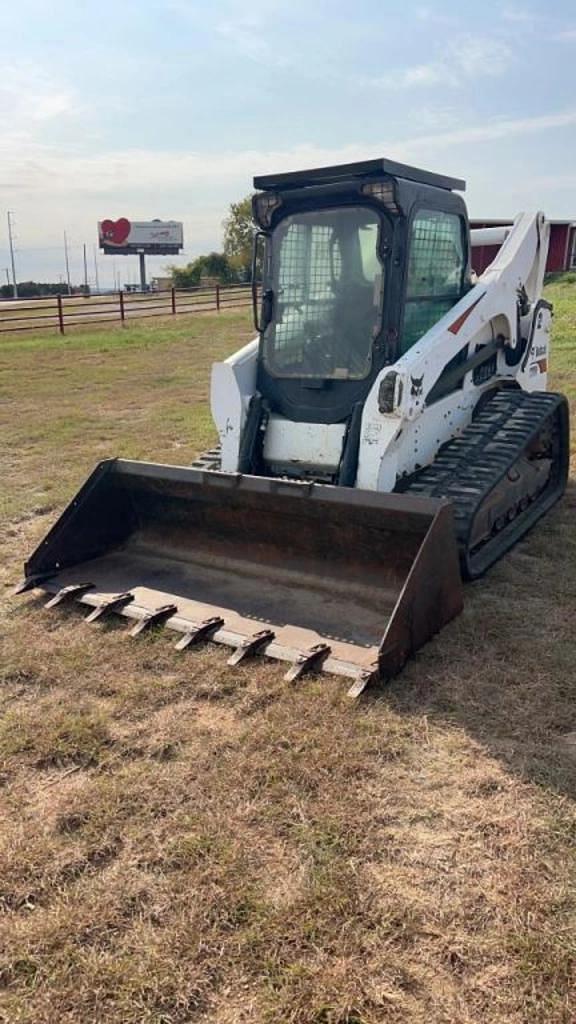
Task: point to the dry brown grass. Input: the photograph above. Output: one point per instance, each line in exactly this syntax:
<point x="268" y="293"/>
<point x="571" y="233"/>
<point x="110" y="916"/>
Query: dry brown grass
<point x="182" y="844"/>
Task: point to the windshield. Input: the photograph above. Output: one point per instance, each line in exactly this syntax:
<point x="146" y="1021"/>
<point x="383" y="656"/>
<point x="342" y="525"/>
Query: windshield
<point x="327" y="283"/>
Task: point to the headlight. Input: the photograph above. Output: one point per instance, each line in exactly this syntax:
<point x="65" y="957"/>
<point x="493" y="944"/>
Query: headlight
<point x="383" y="191"/>
<point x="390" y="392"/>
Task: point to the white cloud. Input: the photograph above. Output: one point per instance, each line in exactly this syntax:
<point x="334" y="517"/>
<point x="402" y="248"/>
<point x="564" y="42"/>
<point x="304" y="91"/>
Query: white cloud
<point x="28" y="95"/>
<point x="556" y="182"/>
<point x="566" y="35"/>
<point x="40" y="170"/>
<point x="465" y="58"/>
<point x="427" y="74"/>
<point x="498" y="129"/>
<point x="530" y="21"/>
<point x="521" y="17"/>
<point x="434" y="17"/>
<point x="475" y="55"/>
<point x="429" y="117"/>
<point x="249" y="32"/>
<point x="244" y="32"/>
<point x="51" y="188"/>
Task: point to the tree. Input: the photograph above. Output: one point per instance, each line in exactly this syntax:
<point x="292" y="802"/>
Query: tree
<point x="235" y="263"/>
<point x="214" y="267"/>
<point x="185" y="277"/>
<point x="31" y="289"/>
<point x="238" y="235"/>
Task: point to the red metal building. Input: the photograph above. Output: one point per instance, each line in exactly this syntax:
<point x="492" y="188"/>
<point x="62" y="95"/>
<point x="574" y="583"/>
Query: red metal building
<point x="561" y="253"/>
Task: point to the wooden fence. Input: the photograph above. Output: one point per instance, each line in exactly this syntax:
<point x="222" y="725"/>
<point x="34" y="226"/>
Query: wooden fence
<point x="61" y="312"/>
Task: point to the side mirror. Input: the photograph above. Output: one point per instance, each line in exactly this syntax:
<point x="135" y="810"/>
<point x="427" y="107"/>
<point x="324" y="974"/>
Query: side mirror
<point x="262" y="311"/>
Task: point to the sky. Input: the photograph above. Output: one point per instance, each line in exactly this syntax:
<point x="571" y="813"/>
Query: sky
<point x="168" y="109"/>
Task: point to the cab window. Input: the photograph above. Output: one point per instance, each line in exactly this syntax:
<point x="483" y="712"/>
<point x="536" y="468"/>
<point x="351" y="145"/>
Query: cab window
<point x="327" y="280"/>
<point x="436" y="265"/>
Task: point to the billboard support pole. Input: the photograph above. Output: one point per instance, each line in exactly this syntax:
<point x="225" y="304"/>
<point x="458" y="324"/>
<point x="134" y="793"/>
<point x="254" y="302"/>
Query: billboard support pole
<point x="142" y="258"/>
<point x="96" y="271"/>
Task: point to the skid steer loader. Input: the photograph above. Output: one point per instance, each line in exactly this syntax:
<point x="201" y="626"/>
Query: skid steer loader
<point x="386" y="435"/>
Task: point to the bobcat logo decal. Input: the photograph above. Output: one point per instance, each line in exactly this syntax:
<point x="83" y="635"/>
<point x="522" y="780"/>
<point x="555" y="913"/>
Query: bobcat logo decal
<point x="416" y="389"/>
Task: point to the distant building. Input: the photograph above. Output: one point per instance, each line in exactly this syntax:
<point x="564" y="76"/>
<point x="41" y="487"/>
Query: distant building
<point x="161" y="284"/>
<point x="561" y="252"/>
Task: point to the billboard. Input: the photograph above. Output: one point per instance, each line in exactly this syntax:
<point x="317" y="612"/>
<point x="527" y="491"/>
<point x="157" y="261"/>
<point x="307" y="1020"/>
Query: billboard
<point x="125" y="237"/>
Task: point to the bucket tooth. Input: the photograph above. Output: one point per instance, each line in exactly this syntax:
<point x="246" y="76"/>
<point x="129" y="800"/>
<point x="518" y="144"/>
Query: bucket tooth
<point x="203" y="631"/>
<point x="31" y="582"/>
<point x="364" y="679"/>
<point x="308" y="661"/>
<point x="108" y="605"/>
<point x="251" y="646"/>
<point x="154" y="618"/>
<point x="68" y="593"/>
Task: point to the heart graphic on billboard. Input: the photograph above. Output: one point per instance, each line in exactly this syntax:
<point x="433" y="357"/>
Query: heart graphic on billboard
<point x="115" y="232"/>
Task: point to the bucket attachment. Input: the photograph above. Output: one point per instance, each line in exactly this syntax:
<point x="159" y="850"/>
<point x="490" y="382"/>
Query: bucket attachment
<point x="327" y="579"/>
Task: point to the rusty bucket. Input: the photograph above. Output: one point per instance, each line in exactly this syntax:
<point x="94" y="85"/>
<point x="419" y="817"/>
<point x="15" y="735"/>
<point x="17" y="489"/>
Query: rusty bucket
<point x="328" y="579"/>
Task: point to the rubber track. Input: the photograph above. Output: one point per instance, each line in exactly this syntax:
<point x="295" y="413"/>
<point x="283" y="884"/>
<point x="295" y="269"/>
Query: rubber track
<point x="467" y="468"/>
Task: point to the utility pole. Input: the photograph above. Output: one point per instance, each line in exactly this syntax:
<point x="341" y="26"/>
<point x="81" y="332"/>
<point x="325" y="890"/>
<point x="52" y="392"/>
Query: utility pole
<point x="67" y="264"/>
<point x="85" y="269"/>
<point x="7" y="272"/>
<point x="11" y="244"/>
<point x="142" y="260"/>
<point x="96" y="270"/>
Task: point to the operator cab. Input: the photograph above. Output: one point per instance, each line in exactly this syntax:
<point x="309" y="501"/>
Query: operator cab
<point x="355" y="263"/>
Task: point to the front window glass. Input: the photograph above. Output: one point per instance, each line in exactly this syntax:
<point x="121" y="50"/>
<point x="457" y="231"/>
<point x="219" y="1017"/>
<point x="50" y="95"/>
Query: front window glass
<point x="327" y="282"/>
<point x="435" y="272"/>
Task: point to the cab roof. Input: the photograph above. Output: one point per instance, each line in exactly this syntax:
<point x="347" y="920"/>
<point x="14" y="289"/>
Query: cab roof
<point x="364" y="169"/>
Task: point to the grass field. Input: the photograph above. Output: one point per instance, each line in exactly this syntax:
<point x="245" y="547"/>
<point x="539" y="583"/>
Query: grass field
<point x="183" y="844"/>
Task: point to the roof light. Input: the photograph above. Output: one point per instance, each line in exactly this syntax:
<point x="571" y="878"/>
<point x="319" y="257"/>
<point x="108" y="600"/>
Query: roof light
<point x="263" y="207"/>
<point x="383" y="192"/>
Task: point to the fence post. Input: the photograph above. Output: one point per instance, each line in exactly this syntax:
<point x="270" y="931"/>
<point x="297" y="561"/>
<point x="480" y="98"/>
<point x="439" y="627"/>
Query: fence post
<point x="173" y="297"/>
<point x="60" y="314"/>
<point x="121" y="297"/>
<point x="218" y="298"/>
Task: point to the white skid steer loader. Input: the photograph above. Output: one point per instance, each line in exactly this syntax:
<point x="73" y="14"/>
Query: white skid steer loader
<point x="387" y="434"/>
